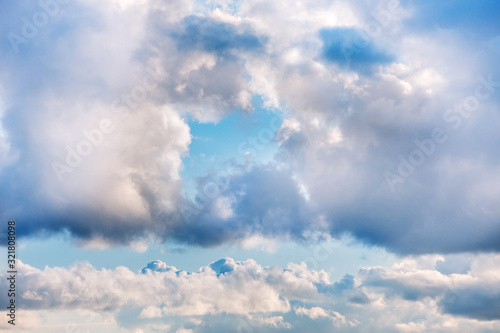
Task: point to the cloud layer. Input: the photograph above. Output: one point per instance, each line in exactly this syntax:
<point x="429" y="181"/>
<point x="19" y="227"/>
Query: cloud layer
<point x="389" y="126"/>
<point x="245" y="296"/>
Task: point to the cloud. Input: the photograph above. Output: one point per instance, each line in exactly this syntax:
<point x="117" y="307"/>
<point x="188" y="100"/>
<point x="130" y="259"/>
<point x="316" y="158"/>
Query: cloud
<point x="204" y="56"/>
<point x="151" y="312"/>
<point x="95" y="146"/>
<point x="176" y="292"/>
<point x="382" y="120"/>
<point x="99" y="156"/>
<point x="317" y="312"/>
<point x="265" y="202"/>
<point x="102" y="154"/>
<point x="183" y="330"/>
<point x="472" y="294"/>
<point x="223" y="266"/>
<point x="158" y="266"/>
<point x="312" y="313"/>
<point x="411" y="294"/>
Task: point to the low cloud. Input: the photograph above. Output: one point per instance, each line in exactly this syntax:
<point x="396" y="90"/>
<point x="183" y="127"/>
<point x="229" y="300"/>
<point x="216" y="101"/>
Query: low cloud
<point x="95" y="147"/>
<point x="249" y="295"/>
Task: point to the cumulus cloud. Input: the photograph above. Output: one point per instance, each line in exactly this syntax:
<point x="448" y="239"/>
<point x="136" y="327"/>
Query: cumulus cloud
<point x="393" y="158"/>
<point x="204" y="55"/>
<point x="412" y="294"/>
<point x="389" y="123"/>
<point x="100" y="157"/>
<point x="100" y="140"/>
<point x="151" y="312"/>
<point x="392" y="144"/>
<point x="317" y="312"/>
<point x="472" y="294"/>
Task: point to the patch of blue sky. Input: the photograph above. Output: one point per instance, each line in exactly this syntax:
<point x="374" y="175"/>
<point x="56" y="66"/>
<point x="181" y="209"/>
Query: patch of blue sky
<point x="337" y="257"/>
<point x="244" y="137"/>
<point x="473" y="18"/>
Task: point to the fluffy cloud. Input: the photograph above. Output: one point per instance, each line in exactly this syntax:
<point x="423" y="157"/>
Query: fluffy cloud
<point x="395" y="156"/>
<point x="367" y="149"/>
<point x="473" y="294"/>
<point x="95" y="154"/>
<point x="408" y="296"/>
<point x="99" y="143"/>
<point x="176" y="292"/>
<point x="387" y="134"/>
<point x="317" y="312"/>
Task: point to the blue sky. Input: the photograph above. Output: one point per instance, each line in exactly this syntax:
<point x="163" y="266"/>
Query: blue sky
<point x="193" y="166"/>
<point x="213" y="144"/>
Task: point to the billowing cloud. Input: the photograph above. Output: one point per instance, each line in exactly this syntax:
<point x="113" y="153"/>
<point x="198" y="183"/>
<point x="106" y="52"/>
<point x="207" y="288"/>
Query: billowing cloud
<point x="472" y="294"/>
<point x="397" y="158"/>
<point x="94" y="154"/>
<point x="246" y="296"/>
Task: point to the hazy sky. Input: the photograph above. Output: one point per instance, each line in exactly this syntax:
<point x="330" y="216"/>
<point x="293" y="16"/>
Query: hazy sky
<point x="193" y="166"/>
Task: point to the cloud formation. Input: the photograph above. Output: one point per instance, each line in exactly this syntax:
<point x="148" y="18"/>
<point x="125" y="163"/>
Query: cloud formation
<point x="411" y="295"/>
<point x="388" y="132"/>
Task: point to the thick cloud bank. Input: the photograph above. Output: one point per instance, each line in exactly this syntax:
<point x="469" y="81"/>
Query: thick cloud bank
<point x="389" y="131"/>
<point x="242" y="296"/>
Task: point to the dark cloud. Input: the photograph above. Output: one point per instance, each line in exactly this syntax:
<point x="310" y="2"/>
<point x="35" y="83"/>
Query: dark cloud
<point x="480" y="303"/>
<point x="263" y="200"/>
<point x="158" y="266"/>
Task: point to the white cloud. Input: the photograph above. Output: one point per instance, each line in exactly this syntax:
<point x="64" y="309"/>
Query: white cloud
<point x="31" y="320"/>
<point x="95" y="177"/>
<point x="222" y="208"/>
<point x="410" y="295"/>
<point x="179" y="293"/>
<point x="260" y="242"/>
<point x="184" y="330"/>
<point x="313" y="313"/>
<point x="344" y="126"/>
<point x="317" y="312"/>
<point x="151" y="312"/>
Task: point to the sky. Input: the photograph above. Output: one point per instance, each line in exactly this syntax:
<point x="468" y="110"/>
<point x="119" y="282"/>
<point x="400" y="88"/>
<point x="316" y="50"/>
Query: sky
<point x="196" y="166"/>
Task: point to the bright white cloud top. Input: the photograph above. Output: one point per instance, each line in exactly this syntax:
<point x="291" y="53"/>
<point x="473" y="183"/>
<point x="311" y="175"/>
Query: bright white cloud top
<point x="379" y="120"/>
